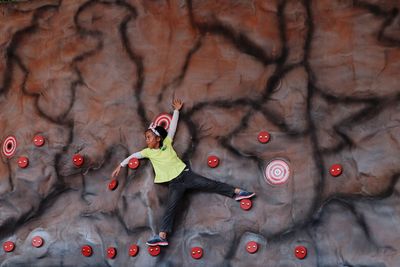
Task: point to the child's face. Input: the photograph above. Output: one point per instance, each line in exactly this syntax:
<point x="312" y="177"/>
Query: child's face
<point x="152" y="140"/>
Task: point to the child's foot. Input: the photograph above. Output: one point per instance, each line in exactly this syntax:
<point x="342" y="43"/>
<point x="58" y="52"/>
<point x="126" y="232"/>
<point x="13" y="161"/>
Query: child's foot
<point x="244" y="194"/>
<point x="157" y="241"/>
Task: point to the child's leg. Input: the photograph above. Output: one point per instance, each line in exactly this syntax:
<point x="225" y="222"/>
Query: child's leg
<point x="196" y="181"/>
<point x="175" y="195"/>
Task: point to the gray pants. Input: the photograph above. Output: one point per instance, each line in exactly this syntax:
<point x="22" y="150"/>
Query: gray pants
<point x="185" y="181"/>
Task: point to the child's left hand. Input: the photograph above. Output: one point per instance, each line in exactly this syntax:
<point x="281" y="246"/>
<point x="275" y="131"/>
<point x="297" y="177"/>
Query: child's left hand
<point x="177" y="104"/>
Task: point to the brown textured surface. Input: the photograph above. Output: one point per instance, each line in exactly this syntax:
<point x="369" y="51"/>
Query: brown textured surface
<point x="320" y="76"/>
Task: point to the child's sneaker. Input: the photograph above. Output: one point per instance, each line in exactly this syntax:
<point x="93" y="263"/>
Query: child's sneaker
<point x="157" y="241"/>
<point x="244" y="194"/>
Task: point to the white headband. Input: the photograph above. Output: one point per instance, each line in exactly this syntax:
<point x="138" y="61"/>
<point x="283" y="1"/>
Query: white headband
<point x="153" y="129"/>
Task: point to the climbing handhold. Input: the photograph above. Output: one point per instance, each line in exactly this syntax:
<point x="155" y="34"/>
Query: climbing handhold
<point x="113" y="184"/>
<point x="263" y="137"/>
<point x="252" y="247"/>
<point x="300" y="252"/>
<point x="8" y="246"/>
<point x="133" y="163"/>
<point x="277" y="172"/>
<point x="86" y="251"/>
<point x="163" y="120"/>
<point x="245" y="204"/>
<point x="154" y="250"/>
<point x="111" y="252"/>
<point x="197" y="253"/>
<point x="133" y="250"/>
<point x="37" y="241"/>
<point x="9" y="146"/>
<point x="38" y="140"/>
<point x="78" y="160"/>
<point x="213" y="161"/>
<point x="23" y="162"/>
<point x="336" y="170"/>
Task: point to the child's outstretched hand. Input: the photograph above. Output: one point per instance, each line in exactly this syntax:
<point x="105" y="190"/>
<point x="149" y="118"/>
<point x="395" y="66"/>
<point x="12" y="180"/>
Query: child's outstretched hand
<point x="116" y="172"/>
<point x="177" y="104"/>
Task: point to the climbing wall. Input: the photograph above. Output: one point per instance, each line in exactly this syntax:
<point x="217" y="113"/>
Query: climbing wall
<point x="295" y="100"/>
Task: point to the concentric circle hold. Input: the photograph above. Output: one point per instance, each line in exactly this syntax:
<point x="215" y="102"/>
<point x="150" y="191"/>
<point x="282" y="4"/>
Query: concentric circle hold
<point x="277" y="172"/>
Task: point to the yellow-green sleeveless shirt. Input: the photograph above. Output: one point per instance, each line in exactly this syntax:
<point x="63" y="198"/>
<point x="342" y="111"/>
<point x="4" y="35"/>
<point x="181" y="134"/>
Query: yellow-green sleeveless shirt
<point x="166" y="163"/>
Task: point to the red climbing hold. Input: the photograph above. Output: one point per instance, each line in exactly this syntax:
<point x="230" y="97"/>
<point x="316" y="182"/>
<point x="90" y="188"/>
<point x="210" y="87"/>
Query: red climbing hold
<point x="23" y="162"/>
<point x="111" y="252"/>
<point x="133" y="163"/>
<point x="213" y="161"/>
<point x="38" y="140"/>
<point x="133" y="250"/>
<point x="113" y="184"/>
<point x="86" y="251"/>
<point x="246" y="204"/>
<point x="37" y="241"/>
<point x="336" y="170"/>
<point x="8" y="246"/>
<point x="78" y="160"/>
<point x="300" y="252"/>
<point x="263" y="137"/>
<point x="154" y="250"/>
<point x="9" y="146"/>
<point x="197" y="253"/>
<point x="252" y="247"/>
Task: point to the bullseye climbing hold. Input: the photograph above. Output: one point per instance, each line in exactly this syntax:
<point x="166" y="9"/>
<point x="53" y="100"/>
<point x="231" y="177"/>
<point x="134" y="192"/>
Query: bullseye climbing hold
<point x="154" y="250"/>
<point x="163" y="120"/>
<point x="197" y="253"/>
<point x="336" y="170"/>
<point x="37" y="241"/>
<point x="8" y="246"/>
<point x="23" y="162"/>
<point x="113" y="184"/>
<point x="86" y="251"/>
<point x="213" y="161"/>
<point x="9" y="146"/>
<point x="263" y="137"/>
<point x="133" y="250"/>
<point x="78" y="160"/>
<point x="300" y="252"/>
<point x="277" y="172"/>
<point x="38" y="140"/>
<point x="133" y="163"/>
<point x="111" y="252"/>
<point x="245" y="204"/>
<point x="252" y="247"/>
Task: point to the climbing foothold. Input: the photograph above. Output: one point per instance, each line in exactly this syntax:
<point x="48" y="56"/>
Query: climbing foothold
<point x="277" y="172"/>
<point x="23" y="162"/>
<point x="212" y="161"/>
<point x="336" y="170"/>
<point x="78" y="160"/>
<point x="38" y="140"/>
<point x="196" y="252"/>
<point x="263" y="137"/>
<point x="9" y="146"/>
<point x="154" y="250"/>
<point x="133" y="163"/>
<point x="37" y="241"/>
<point x="163" y="120"/>
<point x="113" y="185"/>
<point x="86" y="251"/>
<point x="252" y="247"/>
<point x="246" y="204"/>
<point x="8" y="246"/>
<point x="133" y="250"/>
<point x="300" y="252"/>
<point x="111" y="252"/>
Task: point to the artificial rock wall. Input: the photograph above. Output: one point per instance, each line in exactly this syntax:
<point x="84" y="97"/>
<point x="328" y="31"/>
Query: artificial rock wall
<point x="321" y="77"/>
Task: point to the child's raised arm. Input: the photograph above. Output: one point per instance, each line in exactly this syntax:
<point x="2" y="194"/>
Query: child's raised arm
<point x="177" y="104"/>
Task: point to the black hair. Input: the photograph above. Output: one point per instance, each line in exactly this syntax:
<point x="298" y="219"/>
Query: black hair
<point x="163" y="134"/>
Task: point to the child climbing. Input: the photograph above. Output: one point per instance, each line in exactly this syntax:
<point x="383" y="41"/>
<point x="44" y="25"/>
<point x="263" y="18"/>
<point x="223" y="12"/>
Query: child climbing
<point x="170" y="169"/>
